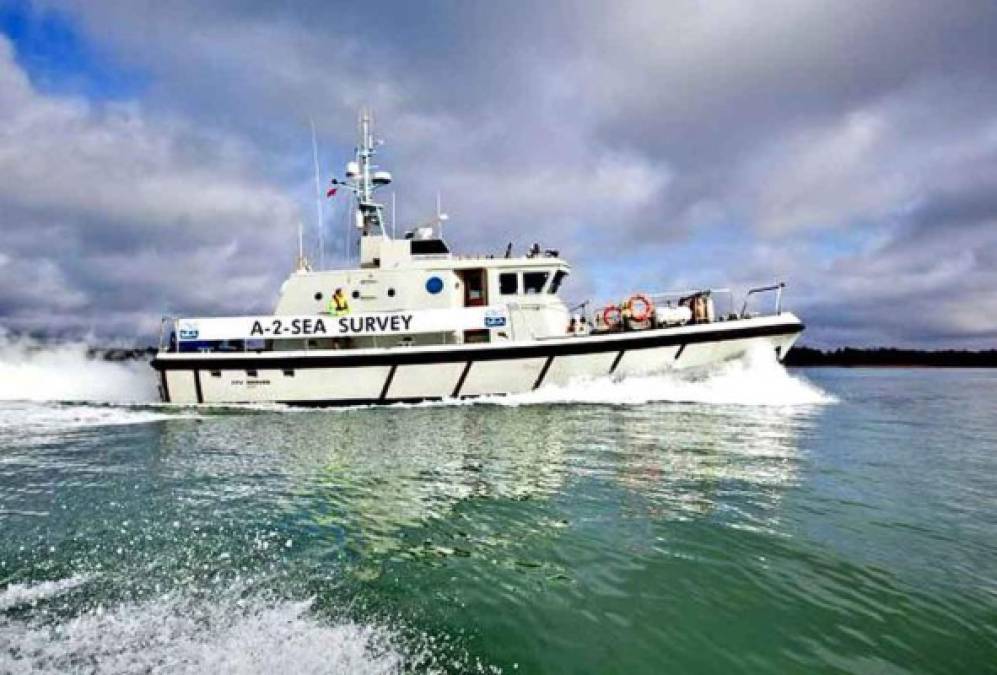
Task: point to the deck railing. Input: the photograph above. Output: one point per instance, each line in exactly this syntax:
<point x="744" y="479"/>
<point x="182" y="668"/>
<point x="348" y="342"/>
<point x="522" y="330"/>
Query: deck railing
<point x="722" y="299"/>
<point x="774" y="288"/>
<point x="167" y="330"/>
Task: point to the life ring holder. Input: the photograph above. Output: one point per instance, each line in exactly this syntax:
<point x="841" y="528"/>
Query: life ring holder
<point x="645" y="301"/>
<point x="612" y="311"/>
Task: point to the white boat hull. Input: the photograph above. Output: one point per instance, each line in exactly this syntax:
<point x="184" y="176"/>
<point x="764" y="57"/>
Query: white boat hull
<point x="410" y="374"/>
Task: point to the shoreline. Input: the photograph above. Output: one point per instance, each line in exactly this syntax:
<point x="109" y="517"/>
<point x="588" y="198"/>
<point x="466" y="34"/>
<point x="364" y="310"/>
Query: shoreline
<point x="896" y="366"/>
<point x="890" y="357"/>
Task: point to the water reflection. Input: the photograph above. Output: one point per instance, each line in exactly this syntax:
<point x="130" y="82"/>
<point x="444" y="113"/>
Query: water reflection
<point x="359" y="479"/>
<point x="692" y="461"/>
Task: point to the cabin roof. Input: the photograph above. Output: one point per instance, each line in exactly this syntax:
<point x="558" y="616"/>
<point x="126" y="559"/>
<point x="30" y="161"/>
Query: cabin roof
<point x="456" y="263"/>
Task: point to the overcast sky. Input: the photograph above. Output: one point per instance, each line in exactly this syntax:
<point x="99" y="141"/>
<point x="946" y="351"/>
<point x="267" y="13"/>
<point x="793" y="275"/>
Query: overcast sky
<point x="155" y="156"/>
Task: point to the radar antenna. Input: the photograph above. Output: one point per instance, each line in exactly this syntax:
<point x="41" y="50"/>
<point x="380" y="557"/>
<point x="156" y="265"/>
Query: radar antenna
<point x="363" y="180"/>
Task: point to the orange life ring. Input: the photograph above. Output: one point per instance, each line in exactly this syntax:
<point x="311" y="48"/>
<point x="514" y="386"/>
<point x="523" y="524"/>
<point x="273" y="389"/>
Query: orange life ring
<point x="648" y="307"/>
<point x="612" y="311"/>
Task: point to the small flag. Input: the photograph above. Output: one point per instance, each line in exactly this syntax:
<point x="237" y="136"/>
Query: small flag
<point x="331" y="193"/>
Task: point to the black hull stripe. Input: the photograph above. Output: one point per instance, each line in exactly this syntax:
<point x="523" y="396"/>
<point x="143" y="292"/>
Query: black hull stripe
<point x="387" y="383"/>
<point x="543" y="372"/>
<point x="353" y="402"/>
<point x="679" y="352"/>
<point x="460" y="380"/>
<point x="273" y="360"/>
<point x="616" y="361"/>
<point x="197" y="386"/>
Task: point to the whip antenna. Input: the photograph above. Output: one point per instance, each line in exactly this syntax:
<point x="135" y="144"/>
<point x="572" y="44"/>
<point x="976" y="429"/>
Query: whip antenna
<point x="318" y="198"/>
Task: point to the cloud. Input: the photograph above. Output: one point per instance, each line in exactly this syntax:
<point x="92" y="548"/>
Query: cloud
<point x="847" y="147"/>
<point x="107" y="208"/>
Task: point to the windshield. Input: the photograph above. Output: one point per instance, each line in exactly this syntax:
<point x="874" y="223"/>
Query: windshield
<point x="534" y="282"/>
<point x="558" y="278"/>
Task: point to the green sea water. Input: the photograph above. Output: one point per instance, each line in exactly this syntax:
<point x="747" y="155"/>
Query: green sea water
<point x="749" y="520"/>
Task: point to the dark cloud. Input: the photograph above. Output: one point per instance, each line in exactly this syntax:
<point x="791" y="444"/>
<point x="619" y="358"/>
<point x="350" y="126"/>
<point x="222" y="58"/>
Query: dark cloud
<point x="106" y="209"/>
<point x="848" y="147"/>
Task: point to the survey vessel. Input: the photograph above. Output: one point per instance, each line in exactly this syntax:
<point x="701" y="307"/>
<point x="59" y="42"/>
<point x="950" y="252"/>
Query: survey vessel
<point x="412" y="321"/>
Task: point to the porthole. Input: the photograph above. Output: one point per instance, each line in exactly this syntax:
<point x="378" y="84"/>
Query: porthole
<point x="318" y="295"/>
<point x="391" y="292"/>
<point x="356" y="295"/>
<point x="434" y="285"/>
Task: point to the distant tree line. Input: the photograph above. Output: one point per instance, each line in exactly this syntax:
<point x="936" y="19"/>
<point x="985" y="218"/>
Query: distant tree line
<point x="120" y="354"/>
<point x="883" y="356"/>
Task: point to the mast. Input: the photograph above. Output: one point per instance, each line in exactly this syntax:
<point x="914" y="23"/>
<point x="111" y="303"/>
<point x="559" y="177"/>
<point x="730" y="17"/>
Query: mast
<point x="302" y="264"/>
<point x="364" y="180"/>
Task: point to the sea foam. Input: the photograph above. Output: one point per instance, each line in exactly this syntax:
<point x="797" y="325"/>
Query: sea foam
<point x="187" y="635"/>
<point x="35" y="371"/>
<point x="28" y="594"/>
<point x="757" y="379"/>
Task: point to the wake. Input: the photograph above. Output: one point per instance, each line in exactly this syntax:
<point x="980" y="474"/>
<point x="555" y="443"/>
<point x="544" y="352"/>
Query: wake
<point x="189" y="634"/>
<point x="64" y="373"/>
<point x="758" y="379"/>
<point x="35" y="371"/>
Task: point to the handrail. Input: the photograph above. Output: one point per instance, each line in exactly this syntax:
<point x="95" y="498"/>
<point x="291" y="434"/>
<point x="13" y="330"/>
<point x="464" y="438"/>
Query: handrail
<point x="167" y="325"/>
<point x="581" y="305"/>
<point x="688" y="292"/>
<point x="765" y="289"/>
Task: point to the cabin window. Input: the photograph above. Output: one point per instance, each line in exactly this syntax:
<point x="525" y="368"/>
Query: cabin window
<point x="428" y="247"/>
<point x="251" y="373"/>
<point x="391" y="292"/>
<point x="219" y="345"/>
<point x="558" y="278"/>
<point x="534" y="282"/>
<point x="318" y="295"/>
<point x="288" y="373"/>
<point x="356" y="295"/>
<point x="476" y="336"/>
<point x="509" y="283"/>
<point x="216" y="373"/>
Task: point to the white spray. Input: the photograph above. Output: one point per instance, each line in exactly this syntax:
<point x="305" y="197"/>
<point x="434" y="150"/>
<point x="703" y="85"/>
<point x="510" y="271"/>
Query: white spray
<point x="34" y="371"/>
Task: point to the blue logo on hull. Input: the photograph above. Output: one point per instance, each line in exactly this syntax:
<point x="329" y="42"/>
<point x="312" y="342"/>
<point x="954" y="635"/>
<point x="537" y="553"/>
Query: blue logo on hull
<point x="434" y="285"/>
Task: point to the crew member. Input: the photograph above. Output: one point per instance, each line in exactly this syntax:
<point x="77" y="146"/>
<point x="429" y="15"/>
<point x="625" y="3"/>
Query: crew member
<point x="582" y="326"/>
<point x="338" y="304"/>
<point x="626" y="315"/>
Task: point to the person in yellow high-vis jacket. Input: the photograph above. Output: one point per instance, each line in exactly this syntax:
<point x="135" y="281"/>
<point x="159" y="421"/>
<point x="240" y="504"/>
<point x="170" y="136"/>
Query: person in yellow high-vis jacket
<point x="338" y="304"/>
